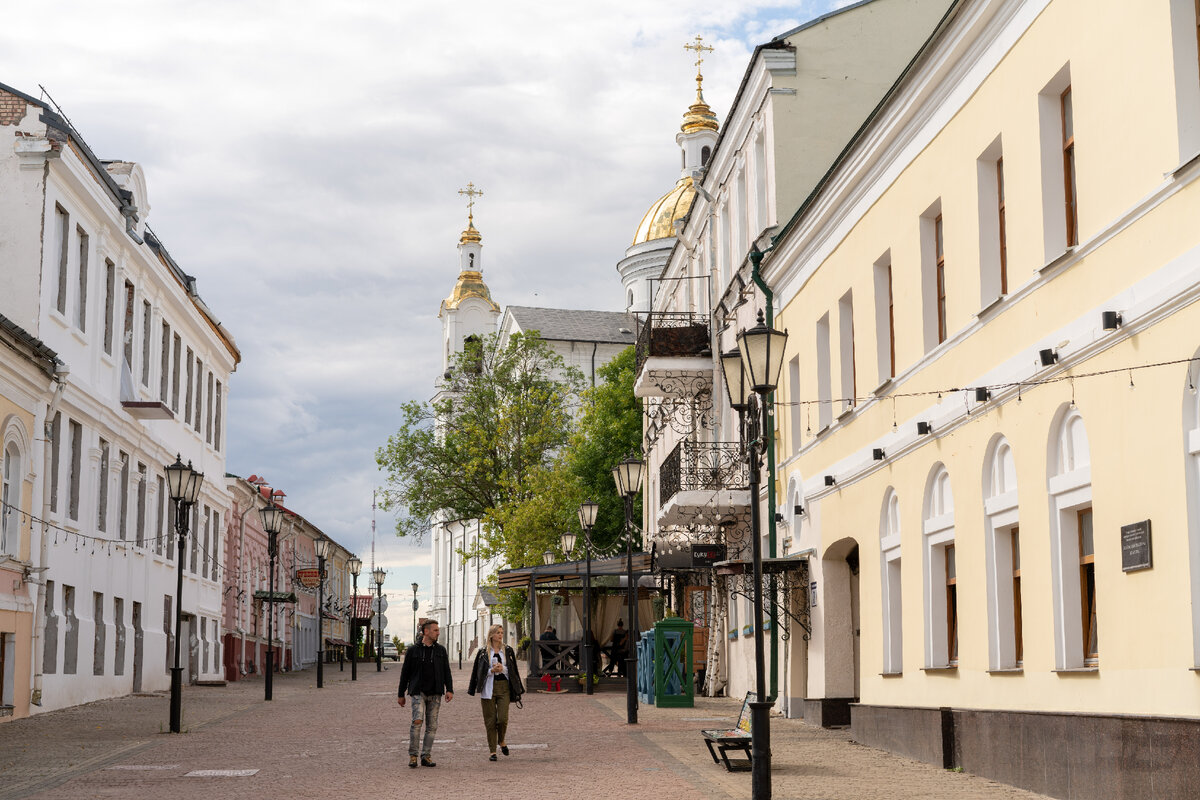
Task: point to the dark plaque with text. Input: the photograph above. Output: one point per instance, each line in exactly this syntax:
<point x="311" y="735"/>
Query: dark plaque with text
<point x="705" y="555"/>
<point x="1135" y="546"/>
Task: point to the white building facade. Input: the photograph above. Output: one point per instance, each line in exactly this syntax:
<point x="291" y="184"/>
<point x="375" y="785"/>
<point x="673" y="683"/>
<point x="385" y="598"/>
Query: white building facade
<point x="144" y="377"/>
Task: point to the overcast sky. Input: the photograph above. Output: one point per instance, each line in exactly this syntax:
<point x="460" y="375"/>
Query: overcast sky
<point x="303" y="161"/>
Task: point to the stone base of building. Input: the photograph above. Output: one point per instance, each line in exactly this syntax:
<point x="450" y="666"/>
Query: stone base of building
<point x="1061" y="755"/>
<point x="827" y="712"/>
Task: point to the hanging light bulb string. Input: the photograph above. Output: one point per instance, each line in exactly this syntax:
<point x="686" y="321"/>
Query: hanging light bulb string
<point x="993" y="388"/>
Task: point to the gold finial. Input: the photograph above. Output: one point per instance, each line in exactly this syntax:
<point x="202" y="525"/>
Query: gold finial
<point x="470" y="234"/>
<point x="699" y="116"/>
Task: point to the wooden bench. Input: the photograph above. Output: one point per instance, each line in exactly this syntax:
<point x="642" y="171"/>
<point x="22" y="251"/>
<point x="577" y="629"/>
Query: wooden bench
<point x="736" y="738"/>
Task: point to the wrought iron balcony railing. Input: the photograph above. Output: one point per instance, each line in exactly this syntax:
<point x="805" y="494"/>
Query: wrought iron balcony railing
<point x="672" y="334"/>
<point x="700" y="466"/>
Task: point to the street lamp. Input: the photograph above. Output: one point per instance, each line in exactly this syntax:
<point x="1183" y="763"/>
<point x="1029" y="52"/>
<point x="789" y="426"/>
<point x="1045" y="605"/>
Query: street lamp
<point x="379" y="574"/>
<point x="628" y="477"/>
<point x="184" y="483"/>
<point x="548" y="557"/>
<point x="272" y="520"/>
<point x="355" y="567"/>
<point x="587" y="519"/>
<point x="415" y="587"/>
<point x="321" y="547"/>
<point x="762" y="350"/>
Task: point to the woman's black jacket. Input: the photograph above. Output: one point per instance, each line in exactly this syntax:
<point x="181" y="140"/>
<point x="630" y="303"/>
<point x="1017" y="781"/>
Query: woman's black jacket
<point x="480" y="669"/>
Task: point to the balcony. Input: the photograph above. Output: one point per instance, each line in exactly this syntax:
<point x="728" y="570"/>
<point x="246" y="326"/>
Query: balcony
<point x="674" y="355"/>
<point x="702" y="478"/>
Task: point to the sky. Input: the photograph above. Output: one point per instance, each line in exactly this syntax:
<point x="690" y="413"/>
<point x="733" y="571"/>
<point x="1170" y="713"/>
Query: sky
<point x="303" y="161"/>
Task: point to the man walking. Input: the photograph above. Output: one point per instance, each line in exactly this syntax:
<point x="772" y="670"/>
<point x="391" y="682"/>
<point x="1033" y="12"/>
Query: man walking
<point x="425" y="677"/>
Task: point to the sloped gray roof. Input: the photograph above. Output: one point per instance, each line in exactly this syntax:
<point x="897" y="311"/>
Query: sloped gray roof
<point x="564" y="324"/>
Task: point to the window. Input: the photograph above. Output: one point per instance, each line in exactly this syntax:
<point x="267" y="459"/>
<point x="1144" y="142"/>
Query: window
<point x="71" y="627"/>
<point x="119" y="636"/>
<point x="1018" y="636"/>
<point x="849" y="388"/>
<point x="217" y="416"/>
<point x="164" y="378"/>
<point x="215" y="552"/>
<point x="794" y="410"/>
<point x="885" y="318"/>
<point x="1068" y="155"/>
<point x="1087" y="587"/>
<point x="1003" y="226"/>
<point x="81" y="315"/>
<point x="55" y="457"/>
<point x="102" y="502"/>
<point x="10" y="501"/>
<point x="951" y="607"/>
<point x="147" y="314"/>
<point x="824" y="377"/>
<point x="207" y="541"/>
<point x="208" y="410"/>
<point x="168" y="631"/>
<point x="893" y="611"/>
<point x="195" y="537"/>
<point x="127" y="331"/>
<point x="197" y="418"/>
<point x="110" y="287"/>
<point x="8" y="662"/>
<point x="50" y="641"/>
<point x="705" y="152"/>
<point x="76" y="467"/>
<point x="993" y="241"/>
<point x="161" y="527"/>
<point x="98" y="638"/>
<point x="187" y="404"/>
<point x="62" y="230"/>
<point x="140" y="527"/>
<point x="123" y="501"/>
<point x="175" y="374"/>
<point x="941" y="278"/>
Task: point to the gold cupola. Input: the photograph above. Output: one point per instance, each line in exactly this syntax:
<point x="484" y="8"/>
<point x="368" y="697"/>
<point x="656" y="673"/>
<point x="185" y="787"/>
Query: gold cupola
<point x="470" y="254"/>
<point x="699" y="116"/>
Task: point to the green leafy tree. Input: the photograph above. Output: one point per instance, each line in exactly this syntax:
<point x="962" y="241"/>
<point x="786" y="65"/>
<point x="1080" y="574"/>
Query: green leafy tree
<point x="482" y="446"/>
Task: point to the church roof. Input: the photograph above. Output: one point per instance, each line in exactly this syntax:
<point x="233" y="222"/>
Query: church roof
<point x="563" y="324"/>
<point x="659" y="221"/>
<point x="470" y="284"/>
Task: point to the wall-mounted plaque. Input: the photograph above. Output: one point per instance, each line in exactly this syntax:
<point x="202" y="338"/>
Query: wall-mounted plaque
<point x="705" y="555"/>
<point x="1135" y="546"/>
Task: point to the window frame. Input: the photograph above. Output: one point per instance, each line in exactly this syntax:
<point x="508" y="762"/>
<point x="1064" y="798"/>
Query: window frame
<point x="1087" y="589"/>
<point x="940" y="276"/>
<point x="1071" y="202"/>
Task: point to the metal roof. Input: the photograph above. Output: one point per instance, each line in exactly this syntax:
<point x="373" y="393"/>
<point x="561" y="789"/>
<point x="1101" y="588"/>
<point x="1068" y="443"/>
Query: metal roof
<point x="564" y="324"/>
<point x="519" y="577"/>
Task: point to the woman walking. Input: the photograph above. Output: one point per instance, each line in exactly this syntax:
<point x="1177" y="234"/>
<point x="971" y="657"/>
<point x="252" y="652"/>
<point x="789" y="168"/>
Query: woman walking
<point x="498" y="682"/>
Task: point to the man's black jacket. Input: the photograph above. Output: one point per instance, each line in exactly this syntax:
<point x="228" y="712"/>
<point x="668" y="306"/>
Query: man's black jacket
<point x="410" y="673"/>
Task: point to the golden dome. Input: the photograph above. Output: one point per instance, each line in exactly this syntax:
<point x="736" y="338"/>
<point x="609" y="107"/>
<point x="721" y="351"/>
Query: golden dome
<point x="699" y="116"/>
<point x="470" y="284"/>
<point x="470" y="235"/>
<point x="659" y="222"/>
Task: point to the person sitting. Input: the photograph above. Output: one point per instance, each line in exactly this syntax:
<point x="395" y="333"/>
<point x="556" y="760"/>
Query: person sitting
<point x="620" y="646"/>
<point x="549" y="635"/>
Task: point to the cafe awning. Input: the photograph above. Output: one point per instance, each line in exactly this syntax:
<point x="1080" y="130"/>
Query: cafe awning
<point x="519" y="577"/>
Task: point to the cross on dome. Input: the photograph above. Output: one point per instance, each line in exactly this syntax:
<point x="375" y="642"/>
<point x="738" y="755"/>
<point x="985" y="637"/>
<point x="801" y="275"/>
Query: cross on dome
<point x="470" y="234"/>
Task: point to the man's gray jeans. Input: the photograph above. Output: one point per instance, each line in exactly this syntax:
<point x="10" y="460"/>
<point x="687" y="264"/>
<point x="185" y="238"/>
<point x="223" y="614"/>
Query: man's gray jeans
<point x="425" y="708"/>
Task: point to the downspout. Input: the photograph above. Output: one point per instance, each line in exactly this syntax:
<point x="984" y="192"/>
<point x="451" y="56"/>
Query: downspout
<point x="756" y="257"/>
<point x="39" y="623"/>
<point x="595" y="345"/>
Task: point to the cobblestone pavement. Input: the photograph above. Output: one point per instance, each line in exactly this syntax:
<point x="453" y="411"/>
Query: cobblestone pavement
<point x="353" y="737"/>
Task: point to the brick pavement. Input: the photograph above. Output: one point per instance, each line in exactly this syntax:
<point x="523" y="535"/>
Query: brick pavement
<point x="352" y="737"/>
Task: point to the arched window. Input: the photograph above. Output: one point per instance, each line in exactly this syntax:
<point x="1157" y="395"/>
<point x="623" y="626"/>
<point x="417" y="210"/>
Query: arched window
<point x="629" y="302"/>
<point x="705" y="152"/>
<point x="1072" y="552"/>
<point x="10" y="493"/>
<point x="941" y="573"/>
<point x="893" y="616"/>
<point x="1002" y="545"/>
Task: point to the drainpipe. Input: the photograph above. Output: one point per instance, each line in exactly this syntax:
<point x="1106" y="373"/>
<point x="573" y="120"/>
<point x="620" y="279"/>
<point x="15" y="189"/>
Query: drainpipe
<point x="756" y="257"/>
<point x="39" y="622"/>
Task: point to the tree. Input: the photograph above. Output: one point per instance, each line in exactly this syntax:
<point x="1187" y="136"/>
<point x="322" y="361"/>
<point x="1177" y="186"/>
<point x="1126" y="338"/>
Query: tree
<point x="501" y="417"/>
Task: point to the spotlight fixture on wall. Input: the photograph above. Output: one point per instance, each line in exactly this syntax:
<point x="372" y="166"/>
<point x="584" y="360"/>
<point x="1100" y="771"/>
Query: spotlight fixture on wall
<point x="1048" y="356"/>
<point x="830" y="480"/>
<point x="982" y="395"/>
<point x="798" y="510"/>
<point x="1112" y="320"/>
<point x="924" y="429"/>
<point x="877" y="454"/>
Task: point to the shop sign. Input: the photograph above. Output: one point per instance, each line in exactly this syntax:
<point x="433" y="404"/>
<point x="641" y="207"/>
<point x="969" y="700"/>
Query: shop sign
<point x="309" y="577"/>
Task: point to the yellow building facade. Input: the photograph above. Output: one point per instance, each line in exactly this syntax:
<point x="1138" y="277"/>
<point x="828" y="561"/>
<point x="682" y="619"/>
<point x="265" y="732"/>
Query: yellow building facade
<point x="988" y="425"/>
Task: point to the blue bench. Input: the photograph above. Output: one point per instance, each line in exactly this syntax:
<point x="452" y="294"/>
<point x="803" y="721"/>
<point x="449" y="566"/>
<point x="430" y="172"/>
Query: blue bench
<point x="735" y="738"/>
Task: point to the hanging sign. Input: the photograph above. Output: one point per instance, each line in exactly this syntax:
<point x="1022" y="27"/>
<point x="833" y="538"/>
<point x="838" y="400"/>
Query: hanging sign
<point x="1135" y="546"/>
<point x="705" y="555"/>
<point x="309" y="577"/>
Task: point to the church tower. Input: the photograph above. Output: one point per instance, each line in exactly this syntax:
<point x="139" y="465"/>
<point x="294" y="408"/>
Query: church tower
<point x="469" y="310"/>
<point x="655" y="236"/>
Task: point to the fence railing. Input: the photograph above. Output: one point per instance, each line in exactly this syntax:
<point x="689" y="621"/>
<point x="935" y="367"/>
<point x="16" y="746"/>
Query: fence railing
<point x="698" y="466"/>
<point x="672" y="333"/>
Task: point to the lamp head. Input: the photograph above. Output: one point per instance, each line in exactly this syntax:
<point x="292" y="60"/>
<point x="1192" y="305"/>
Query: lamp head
<point x="548" y="557"/>
<point x="567" y="540"/>
<point x="354" y="565"/>
<point x="321" y="547"/>
<point x="762" y="351"/>
<point x="587" y="514"/>
<point x="379" y="574"/>
<point x="735" y="378"/>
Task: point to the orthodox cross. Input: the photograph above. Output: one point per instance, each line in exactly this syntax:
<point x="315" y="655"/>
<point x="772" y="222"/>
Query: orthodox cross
<point x="471" y="192"/>
<point x="700" y="48"/>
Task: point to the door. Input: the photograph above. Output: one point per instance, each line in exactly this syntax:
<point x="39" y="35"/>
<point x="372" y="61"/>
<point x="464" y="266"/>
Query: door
<point x="697" y="599"/>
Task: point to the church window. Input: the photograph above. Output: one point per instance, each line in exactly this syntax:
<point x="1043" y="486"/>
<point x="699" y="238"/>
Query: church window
<point x="705" y="152"/>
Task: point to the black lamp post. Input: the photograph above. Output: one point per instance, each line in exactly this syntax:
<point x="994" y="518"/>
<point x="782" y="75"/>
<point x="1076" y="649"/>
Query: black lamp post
<point x="272" y="520"/>
<point x="762" y="350"/>
<point x="587" y="519"/>
<point x="321" y="547"/>
<point x="355" y="567"/>
<point x="184" y="483"/>
<point x="628" y="477"/>
<point x="379" y="574"/>
<point x="415" y="605"/>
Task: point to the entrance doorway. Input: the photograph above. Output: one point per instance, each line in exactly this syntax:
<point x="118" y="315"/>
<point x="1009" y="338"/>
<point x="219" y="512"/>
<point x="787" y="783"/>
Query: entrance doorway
<point x="840" y="618"/>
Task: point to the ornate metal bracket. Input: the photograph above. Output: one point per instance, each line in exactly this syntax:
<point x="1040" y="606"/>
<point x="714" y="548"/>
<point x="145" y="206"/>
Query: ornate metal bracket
<point x="777" y="589"/>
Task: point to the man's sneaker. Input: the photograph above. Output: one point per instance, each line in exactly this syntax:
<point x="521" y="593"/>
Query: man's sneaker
<point x="412" y="762"/>
<point x="426" y="761"/>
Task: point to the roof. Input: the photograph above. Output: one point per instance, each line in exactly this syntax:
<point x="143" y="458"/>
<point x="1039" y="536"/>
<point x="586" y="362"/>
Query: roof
<point x="519" y="577"/>
<point x="362" y="606"/>
<point x="38" y="353"/>
<point x="489" y="599"/>
<point x="564" y="324"/>
<point x="659" y="221"/>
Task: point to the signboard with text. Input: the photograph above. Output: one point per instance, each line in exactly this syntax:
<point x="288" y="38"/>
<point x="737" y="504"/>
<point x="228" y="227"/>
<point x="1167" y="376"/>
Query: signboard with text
<point x="1135" y="546"/>
<point x="705" y="555"/>
<point x="309" y="577"/>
